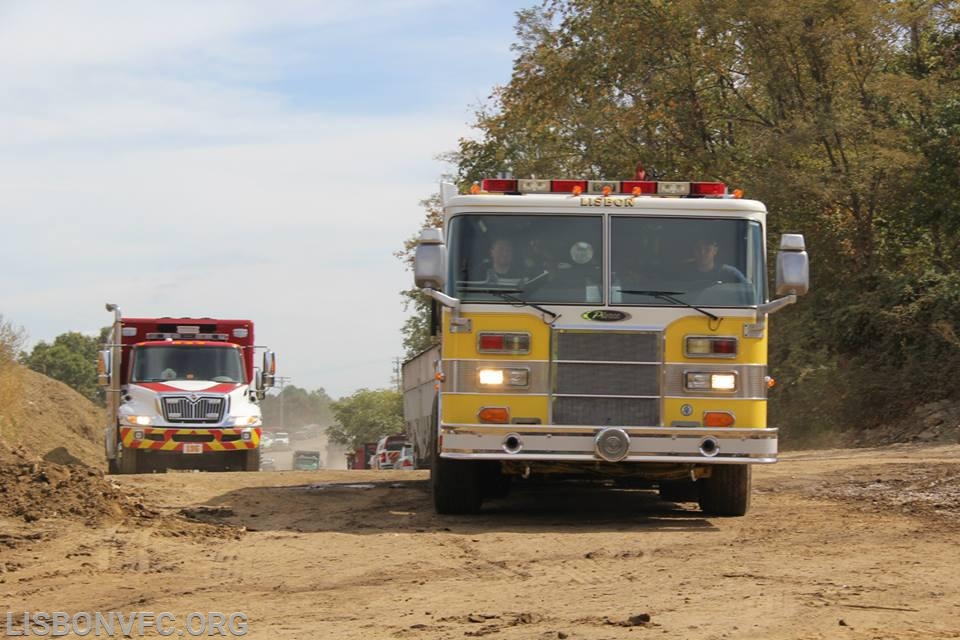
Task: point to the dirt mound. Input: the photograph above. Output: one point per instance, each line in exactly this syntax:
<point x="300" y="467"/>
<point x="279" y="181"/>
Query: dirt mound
<point x="32" y="488"/>
<point x="48" y="417"/>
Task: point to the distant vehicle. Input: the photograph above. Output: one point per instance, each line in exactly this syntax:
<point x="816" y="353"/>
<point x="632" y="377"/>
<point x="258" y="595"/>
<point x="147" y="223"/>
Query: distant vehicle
<point x="306" y="460"/>
<point x="281" y="440"/>
<point x="406" y="461"/>
<point x="309" y="432"/>
<point x="388" y="451"/>
<point x="266" y="440"/>
<point x="268" y="464"/>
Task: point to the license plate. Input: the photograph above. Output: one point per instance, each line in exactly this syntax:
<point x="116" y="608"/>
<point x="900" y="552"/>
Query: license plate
<point x="193" y="447"/>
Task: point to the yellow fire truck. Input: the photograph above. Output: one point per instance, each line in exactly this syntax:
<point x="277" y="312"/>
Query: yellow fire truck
<point x="614" y="330"/>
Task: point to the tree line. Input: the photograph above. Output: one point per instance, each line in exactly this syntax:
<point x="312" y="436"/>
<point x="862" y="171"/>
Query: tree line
<point x="843" y="117"/>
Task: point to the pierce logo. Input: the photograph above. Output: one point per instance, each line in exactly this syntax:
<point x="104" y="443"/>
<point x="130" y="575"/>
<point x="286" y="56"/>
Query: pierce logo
<point x="605" y="315"/>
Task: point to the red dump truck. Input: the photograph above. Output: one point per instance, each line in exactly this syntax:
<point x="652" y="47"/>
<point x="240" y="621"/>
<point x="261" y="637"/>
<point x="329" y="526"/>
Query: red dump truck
<point x="183" y="393"/>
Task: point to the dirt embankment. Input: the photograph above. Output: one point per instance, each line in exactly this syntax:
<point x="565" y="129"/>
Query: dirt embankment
<point x="51" y="459"/>
<point x="48" y="418"/>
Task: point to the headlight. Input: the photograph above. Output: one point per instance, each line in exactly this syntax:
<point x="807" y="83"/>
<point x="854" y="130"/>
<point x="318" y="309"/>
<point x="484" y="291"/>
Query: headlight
<point x="697" y="381"/>
<point x="243" y="421"/>
<point x="503" y="377"/>
<point x="140" y="420"/>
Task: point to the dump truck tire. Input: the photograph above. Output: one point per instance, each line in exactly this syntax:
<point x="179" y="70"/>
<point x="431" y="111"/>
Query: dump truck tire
<point x="129" y="461"/>
<point x="251" y="460"/>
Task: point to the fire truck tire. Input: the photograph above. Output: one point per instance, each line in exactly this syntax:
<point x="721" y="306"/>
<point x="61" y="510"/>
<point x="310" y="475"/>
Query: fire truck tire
<point x="251" y="460"/>
<point x="726" y="492"/>
<point x="456" y="486"/>
<point x="129" y="460"/>
<point x="112" y="467"/>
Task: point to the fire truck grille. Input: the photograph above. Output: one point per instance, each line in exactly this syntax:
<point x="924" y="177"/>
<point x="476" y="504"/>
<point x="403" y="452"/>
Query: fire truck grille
<point x="607" y="378"/>
<point x="195" y="410"/>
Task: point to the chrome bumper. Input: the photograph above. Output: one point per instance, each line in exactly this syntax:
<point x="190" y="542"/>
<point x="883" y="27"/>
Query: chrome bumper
<point x="579" y="444"/>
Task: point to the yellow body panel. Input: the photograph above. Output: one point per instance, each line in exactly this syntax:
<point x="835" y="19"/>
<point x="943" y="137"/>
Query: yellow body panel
<point x="751" y="350"/>
<point x="458" y="346"/>
<point x="462" y="408"/>
<point x="748" y="413"/>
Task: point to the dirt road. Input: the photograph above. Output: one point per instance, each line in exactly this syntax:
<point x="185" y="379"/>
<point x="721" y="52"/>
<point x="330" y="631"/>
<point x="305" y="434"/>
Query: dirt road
<point x="839" y="544"/>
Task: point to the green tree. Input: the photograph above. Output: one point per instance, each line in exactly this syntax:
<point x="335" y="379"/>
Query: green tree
<point x="293" y="407"/>
<point x="842" y="117"/>
<point x="72" y="359"/>
<point x="365" y="416"/>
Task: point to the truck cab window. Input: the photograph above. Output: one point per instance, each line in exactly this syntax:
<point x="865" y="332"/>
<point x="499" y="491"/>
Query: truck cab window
<point x="699" y="261"/>
<point x="181" y="362"/>
<point x="549" y="259"/>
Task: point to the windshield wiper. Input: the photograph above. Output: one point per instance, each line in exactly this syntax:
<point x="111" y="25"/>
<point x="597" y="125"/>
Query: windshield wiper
<point x="669" y="296"/>
<point x="508" y="294"/>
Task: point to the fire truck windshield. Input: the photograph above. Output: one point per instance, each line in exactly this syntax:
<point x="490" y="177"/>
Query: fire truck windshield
<point x="703" y="262"/>
<point x="546" y="258"/>
<point x="562" y="259"/>
<point x="162" y="363"/>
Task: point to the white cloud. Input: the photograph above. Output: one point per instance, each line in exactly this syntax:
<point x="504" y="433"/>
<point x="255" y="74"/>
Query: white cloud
<point x="162" y="156"/>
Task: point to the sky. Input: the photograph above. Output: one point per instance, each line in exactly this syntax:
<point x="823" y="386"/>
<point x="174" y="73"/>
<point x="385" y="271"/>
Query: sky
<point x="236" y="159"/>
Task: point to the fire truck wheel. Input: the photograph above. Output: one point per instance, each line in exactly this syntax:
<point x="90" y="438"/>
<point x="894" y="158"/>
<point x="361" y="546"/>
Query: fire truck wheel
<point x="113" y="467"/>
<point x="251" y="460"/>
<point x="456" y="486"/>
<point x="129" y="460"/>
<point x="726" y="492"/>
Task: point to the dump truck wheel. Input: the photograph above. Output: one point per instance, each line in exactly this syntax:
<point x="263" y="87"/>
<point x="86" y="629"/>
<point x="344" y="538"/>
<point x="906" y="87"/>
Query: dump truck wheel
<point x="251" y="460"/>
<point x="129" y="461"/>
<point x="726" y="492"/>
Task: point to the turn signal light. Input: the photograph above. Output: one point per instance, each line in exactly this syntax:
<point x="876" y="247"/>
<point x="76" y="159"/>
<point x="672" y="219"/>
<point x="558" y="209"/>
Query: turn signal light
<point x="718" y="419"/>
<point x="494" y="415"/>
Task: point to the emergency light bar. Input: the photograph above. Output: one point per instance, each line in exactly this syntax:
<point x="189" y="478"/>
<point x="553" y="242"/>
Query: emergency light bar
<point x="608" y="187"/>
<point x="187" y="336"/>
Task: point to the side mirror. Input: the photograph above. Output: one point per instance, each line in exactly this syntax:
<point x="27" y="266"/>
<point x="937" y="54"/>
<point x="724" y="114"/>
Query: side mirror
<point x="104" y="367"/>
<point x="269" y="373"/>
<point x="430" y="260"/>
<point x="793" y="266"/>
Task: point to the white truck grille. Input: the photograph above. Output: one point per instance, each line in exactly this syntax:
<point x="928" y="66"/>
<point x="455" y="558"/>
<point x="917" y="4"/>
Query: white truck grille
<point x="193" y="409"/>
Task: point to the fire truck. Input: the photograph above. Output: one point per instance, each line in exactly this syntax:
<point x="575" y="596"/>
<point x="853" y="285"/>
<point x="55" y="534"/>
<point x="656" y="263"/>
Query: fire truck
<point x="597" y="330"/>
<point x="182" y="393"/>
